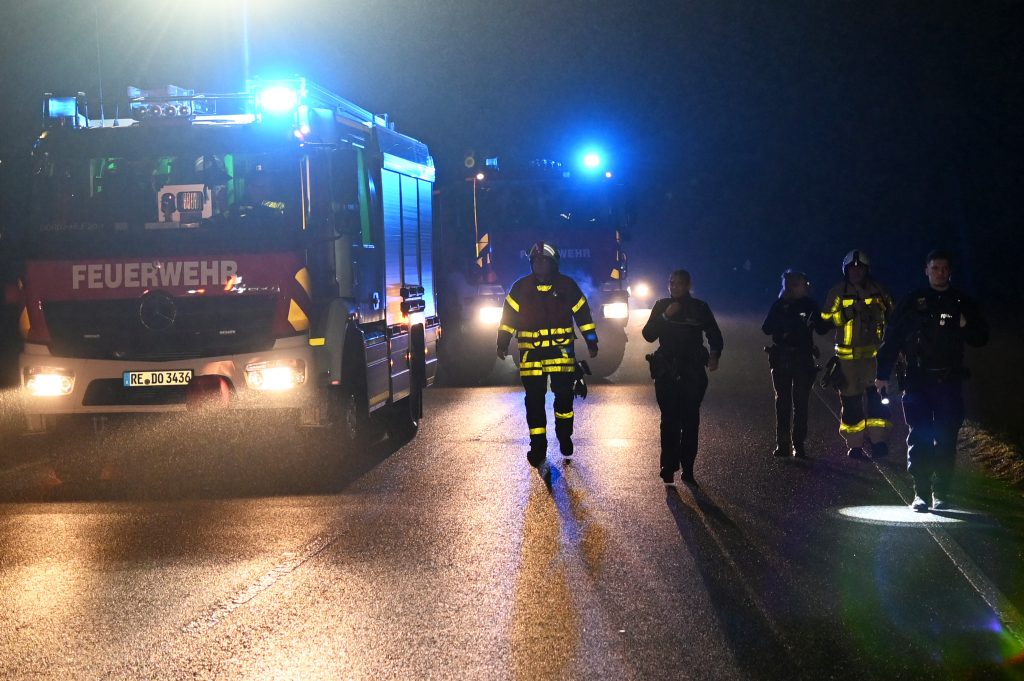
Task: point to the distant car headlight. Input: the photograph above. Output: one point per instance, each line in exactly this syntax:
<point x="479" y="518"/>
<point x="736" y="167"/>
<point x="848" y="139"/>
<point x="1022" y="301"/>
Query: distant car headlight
<point x="640" y="290"/>
<point x="615" y="310"/>
<point x="489" y="315"/>
<point x="49" y="381"/>
<point x="276" y="375"/>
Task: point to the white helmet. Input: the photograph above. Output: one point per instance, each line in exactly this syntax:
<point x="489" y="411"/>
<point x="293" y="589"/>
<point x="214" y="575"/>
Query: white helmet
<point x="856" y="257"/>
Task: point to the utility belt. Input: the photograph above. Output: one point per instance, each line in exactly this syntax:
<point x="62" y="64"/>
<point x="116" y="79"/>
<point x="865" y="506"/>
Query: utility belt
<point x="918" y="376"/>
<point x="791" y="357"/>
<point x="666" y="367"/>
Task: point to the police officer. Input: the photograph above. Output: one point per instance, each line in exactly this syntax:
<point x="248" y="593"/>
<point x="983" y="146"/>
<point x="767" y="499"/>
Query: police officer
<point x="680" y="323"/>
<point x="792" y="359"/>
<point x="929" y="328"/>
<point x="858" y="307"/>
<point x="539" y="310"/>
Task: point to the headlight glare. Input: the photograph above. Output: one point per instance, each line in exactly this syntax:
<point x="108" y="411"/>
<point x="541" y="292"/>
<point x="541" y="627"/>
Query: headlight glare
<point x="49" y="381"/>
<point x="615" y="310"/>
<point x="276" y="375"/>
<point x="489" y="315"/>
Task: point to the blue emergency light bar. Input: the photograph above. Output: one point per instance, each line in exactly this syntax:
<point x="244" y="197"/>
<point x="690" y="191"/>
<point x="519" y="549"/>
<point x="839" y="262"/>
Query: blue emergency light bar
<point x="64" y="109"/>
<point x="291" y="101"/>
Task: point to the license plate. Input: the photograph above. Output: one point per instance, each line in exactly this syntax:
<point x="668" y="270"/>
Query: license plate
<point x="149" y="379"/>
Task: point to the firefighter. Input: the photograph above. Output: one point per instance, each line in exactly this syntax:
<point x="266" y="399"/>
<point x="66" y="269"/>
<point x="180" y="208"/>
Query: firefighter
<point x="539" y="310"/>
<point x="858" y="307"/>
<point x="929" y="328"/>
<point x="791" y="358"/>
<point x="679" y="324"/>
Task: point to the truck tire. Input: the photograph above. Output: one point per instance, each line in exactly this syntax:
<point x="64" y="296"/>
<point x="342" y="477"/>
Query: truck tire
<point x="403" y="419"/>
<point x="348" y="428"/>
<point x="609" y="358"/>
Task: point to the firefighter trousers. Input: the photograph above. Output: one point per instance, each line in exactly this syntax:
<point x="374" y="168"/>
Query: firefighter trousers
<point x="934" y="412"/>
<point x="536" y="417"/>
<point x="864" y="417"/>
<point x="679" y="399"/>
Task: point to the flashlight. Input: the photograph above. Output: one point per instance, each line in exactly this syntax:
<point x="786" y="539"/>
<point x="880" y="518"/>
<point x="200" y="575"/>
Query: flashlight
<point x="885" y="396"/>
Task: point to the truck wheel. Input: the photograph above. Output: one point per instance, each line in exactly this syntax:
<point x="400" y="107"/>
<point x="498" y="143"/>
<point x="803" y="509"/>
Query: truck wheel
<point x="405" y="414"/>
<point x="348" y="427"/>
<point x="608" y="360"/>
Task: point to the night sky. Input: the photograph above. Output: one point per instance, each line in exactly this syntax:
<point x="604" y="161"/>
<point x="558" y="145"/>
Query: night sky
<point x="760" y="135"/>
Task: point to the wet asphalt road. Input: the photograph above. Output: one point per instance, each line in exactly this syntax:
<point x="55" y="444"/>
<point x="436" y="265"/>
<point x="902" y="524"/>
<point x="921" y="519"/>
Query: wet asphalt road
<point x="177" y="549"/>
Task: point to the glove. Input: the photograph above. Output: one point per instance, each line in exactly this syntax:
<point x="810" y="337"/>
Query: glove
<point x="592" y="348"/>
<point x="502" y="352"/>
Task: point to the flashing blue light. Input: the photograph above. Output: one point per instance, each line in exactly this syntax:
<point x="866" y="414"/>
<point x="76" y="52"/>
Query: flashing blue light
<point x="591" y="160"/>
<point x="62" y="107"/>
<point x="279" y="100"/>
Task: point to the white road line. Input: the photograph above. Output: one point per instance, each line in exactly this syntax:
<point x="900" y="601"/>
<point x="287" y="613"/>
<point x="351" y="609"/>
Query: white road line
<point x="1009" y="616"/>
<point x="289" y="563"/>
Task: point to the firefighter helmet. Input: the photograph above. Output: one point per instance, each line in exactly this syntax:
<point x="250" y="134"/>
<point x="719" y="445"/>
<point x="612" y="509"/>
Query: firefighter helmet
<point x="856" y="257"/>
<point x="544" y="249"/>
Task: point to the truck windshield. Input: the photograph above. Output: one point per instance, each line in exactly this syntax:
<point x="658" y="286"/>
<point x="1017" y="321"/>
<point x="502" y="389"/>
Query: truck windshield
<point x="164" y="204"/>
<point x="547" y="205"/>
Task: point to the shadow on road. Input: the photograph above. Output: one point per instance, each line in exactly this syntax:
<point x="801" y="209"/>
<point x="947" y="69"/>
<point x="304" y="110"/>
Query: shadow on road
<point x="184" y="457"/>
<point x="715" y="540"/>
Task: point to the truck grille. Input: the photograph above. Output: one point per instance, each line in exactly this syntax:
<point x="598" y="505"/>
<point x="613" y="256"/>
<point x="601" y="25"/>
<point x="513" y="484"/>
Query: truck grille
<point x="202" y="327"/>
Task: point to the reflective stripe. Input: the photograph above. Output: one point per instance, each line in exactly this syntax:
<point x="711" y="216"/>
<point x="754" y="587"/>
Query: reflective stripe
<point x="560" y="415"/>
<point x="543" y="288"/>
<point x="848" y="333"/>
<point x="561" y="331"/>
<point x="547" y="369"/>
<point x="588" y="327"/>
<point x="506" y="327"/>
<point x="581" y="303"/>
<point x="538" y="431"/>
<point x="558" y="360"/>
<point x="511" y="302"/>
<point x="546" y="362"/>
<point x="859" y="352"/>
<point x="533" y="345"/>
<point x="855" y="428"/>
<point x="878" y="423"/>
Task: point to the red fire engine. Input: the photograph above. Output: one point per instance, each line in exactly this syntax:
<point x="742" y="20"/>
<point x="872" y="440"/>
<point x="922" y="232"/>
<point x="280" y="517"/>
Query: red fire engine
<point x="504" y="211"/>
<point x="269" y="249"/>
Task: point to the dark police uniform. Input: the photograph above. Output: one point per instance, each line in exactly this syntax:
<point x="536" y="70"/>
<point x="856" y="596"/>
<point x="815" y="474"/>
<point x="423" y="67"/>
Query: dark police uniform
<point x="791" y="358"/>
<point x="925" y="328"/>
<point x="541" y="317"/>
<point x="680" y="377"/>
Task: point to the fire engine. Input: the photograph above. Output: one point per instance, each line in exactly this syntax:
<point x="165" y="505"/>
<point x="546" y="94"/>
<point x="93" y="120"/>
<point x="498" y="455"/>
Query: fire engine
<point x="263" y="250"/>
<point x="490" y="221"/>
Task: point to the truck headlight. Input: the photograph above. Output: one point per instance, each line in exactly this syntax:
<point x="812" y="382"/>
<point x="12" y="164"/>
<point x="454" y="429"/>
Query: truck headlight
<point x="615" y="310"/>
<point x="276" y="375"/>
<point x="489" y="315"/>
<point x="49" y="381"/>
